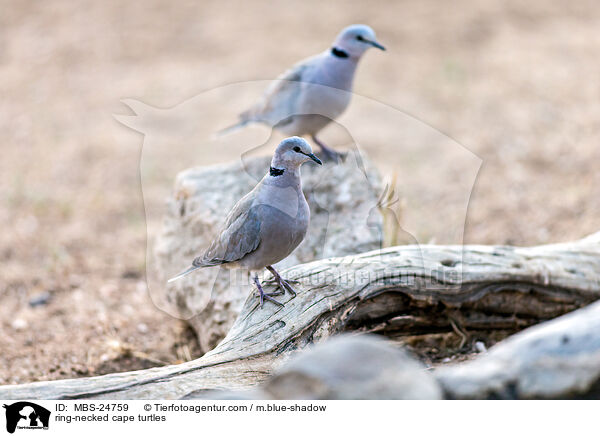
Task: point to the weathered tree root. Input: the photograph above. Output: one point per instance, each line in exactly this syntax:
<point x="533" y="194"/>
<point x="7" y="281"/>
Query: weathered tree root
<point x="407" y="289"/>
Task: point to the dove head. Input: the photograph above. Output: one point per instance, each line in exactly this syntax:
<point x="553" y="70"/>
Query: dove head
<point x="293" y="152"/>
<point x="356" y="39"/>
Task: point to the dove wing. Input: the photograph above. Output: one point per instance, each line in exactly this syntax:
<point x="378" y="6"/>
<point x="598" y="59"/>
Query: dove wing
<point x="280" y="100"/>
<point x="239" y="237"/>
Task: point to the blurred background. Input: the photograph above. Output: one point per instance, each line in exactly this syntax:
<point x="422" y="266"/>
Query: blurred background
<point x="517" y="83"/>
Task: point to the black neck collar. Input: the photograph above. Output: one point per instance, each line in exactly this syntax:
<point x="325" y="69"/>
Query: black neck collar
<point x="338" y="53"/>
<point x="275" y="171"/>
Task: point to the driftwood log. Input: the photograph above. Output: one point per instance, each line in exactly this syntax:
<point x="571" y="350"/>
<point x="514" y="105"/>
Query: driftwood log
<point x="406" y="289"/>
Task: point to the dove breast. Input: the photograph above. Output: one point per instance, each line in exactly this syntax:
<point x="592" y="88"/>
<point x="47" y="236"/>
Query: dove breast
<point x="284" y="217"/>
<point x="322" y="96"/>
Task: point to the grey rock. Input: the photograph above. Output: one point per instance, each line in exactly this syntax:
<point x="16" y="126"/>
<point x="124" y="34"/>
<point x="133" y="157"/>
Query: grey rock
<point x="553" y="360"/>
<point x="344" y="220"/>
<point x="353" y="367"/>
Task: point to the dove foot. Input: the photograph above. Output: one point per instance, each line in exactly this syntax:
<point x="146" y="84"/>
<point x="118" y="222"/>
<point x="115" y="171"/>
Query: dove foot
<point x="284" y="285"/>
<point x="275" y="282"/>
<point x="263" y="296"/>
<point x="329" y="154"/>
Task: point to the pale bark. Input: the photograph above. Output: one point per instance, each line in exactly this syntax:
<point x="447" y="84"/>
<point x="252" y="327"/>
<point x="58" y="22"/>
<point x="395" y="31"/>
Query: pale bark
<point x="407" y="289"/>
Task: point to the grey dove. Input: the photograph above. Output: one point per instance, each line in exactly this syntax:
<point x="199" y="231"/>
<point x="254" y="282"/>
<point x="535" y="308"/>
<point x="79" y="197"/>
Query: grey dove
<point x="268" y="223"/>
<point x="295" y="106"/>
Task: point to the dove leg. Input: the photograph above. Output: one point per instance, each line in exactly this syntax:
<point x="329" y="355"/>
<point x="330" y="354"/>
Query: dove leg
<point x="328" y="153"/>
<point x="284" y="285"/>
<point x="262" y="294"/>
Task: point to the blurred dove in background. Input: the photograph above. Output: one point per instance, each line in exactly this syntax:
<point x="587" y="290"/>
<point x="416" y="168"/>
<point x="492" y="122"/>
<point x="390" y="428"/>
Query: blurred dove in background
<point x="268" y="223"/>
<point x="294" y="106"/>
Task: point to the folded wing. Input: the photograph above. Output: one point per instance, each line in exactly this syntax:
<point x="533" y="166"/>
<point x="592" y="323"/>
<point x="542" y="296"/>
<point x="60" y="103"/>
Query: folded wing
<point x="239" y="237"/>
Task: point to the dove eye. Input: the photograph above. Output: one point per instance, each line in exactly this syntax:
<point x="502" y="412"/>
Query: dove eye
<point x="297" y="149"/>
<point x="360" y="38"/>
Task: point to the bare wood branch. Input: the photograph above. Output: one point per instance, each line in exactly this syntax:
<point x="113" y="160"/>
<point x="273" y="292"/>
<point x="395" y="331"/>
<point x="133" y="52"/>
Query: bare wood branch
<point x="402" y="289"/>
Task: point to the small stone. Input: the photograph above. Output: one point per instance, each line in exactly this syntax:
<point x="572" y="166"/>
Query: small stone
<point x="130" y="274"/>
<point x="75" y="281"/>
<point x="128" y="310"/>
<point x="19" y="324"/>
<point x="40" y="299"/>
<point x="142" y="328"/>
<point x="480" y="347"/>
<point x="114" y="344"/>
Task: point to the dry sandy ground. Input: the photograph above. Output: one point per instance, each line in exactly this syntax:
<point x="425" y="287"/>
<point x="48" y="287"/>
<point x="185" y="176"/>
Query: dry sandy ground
<point x="515" y="82"/>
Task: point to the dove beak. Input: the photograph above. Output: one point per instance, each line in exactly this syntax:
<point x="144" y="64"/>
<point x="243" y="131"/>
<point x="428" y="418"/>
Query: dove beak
<point x="315" y="158"/>
<point x="377" y="45"/>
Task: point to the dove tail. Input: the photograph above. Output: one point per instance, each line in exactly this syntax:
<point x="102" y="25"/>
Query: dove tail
<point x="199" y="262"/>
<point x="184" y="273"/>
